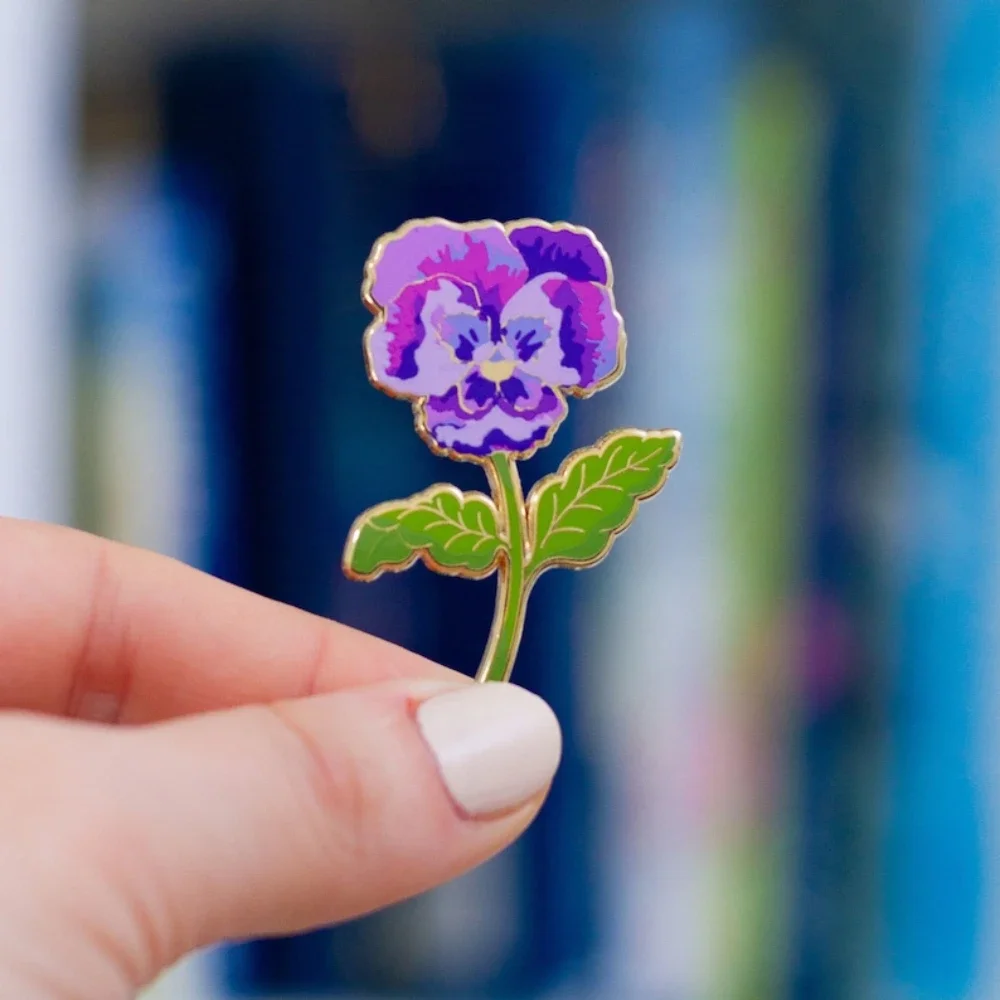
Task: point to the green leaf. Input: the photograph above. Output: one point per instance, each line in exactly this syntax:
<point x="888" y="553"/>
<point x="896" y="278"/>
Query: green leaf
<point x="452" y="532"/>
<point x="576" y="514"/>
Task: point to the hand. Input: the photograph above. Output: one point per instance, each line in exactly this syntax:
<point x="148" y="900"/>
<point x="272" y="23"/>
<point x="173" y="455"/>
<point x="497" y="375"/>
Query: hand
<point x="185" y="762"/>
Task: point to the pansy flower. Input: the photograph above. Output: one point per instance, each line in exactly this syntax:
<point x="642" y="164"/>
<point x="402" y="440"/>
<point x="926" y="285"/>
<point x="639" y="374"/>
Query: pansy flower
<point x="487" y="328"/>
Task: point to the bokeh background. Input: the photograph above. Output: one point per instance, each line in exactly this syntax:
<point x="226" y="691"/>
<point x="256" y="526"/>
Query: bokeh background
<point x="779" y="693"/>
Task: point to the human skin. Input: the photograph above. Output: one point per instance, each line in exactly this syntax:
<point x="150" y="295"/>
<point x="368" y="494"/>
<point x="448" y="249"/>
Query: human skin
<point x="187" y="763"/>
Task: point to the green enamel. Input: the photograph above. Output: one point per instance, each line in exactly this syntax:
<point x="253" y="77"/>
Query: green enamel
<point x="449" y="530"/>
<point x="577" y="514"/>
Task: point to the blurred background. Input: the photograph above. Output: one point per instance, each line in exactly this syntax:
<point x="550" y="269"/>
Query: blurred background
<point x="781" y="776"/>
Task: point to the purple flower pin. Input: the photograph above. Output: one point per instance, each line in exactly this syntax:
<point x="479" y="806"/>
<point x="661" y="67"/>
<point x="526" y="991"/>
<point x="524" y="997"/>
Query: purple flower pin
<point x="486" y="329"/>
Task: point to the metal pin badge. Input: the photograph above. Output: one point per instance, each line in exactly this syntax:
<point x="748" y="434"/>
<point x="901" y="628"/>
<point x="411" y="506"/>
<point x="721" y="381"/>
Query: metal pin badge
<point x="487" y="329"/>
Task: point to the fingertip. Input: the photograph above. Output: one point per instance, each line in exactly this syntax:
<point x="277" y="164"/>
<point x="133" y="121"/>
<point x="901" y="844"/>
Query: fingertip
<point x="496" y="746"/>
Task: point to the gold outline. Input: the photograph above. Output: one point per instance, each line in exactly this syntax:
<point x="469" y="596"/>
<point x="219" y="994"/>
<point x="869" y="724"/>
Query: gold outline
<point x="534" y="497"/>
<point x="422" y="555"/>
<point x="418" y="403"/>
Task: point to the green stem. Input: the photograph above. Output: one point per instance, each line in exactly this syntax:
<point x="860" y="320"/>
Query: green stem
<point x="512" y="581"/>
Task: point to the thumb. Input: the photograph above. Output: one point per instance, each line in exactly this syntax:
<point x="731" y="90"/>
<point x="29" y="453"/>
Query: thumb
<point x="135" y="846"/>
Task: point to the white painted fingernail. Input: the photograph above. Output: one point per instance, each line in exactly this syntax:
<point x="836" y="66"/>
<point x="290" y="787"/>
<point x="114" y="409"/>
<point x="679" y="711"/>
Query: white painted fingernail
<point x="496" y="745"/>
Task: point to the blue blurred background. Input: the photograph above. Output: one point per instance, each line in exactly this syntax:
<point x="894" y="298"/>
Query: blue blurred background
<point x="781" y="776"/>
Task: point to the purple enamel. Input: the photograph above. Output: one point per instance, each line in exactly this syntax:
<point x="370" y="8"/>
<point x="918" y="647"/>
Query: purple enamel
<point x="485" y="332"/>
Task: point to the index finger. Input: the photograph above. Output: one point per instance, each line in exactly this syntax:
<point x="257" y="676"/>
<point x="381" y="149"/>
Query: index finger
<point x="94" y="629"/>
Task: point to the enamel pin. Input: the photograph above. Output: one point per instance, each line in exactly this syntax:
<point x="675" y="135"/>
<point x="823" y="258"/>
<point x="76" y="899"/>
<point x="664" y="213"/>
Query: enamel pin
<point x="486" y="329"/>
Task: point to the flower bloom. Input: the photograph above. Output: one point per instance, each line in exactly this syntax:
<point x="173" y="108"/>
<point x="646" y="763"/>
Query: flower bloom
<point x="487" y="328"/>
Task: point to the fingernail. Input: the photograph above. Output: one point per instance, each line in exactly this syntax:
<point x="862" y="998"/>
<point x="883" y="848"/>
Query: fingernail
<point x="496" y="745"/>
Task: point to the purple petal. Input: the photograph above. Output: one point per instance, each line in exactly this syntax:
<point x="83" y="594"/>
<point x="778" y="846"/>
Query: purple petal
<point x="423" y="345"/>
<point x="497" y="428"/>
<point x="518" y="395"/>
<point x="565" y="333"/>
<point x="477" y="394"/>
<point x="521" y="393"/>
<point x="479" y="254"/>
<point x="569" y="251"/>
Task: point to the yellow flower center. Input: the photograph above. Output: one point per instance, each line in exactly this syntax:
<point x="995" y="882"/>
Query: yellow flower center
<point x="497" y="371"/>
